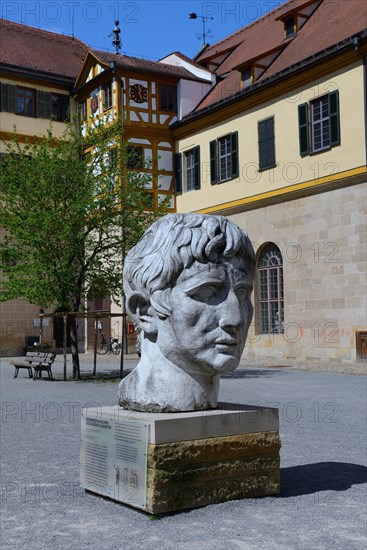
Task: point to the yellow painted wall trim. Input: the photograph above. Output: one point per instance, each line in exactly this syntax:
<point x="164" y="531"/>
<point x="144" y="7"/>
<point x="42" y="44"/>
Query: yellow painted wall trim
<point x="30" y="81"/>
<point x="286" y="190"/>
<point x="24" y="138"/>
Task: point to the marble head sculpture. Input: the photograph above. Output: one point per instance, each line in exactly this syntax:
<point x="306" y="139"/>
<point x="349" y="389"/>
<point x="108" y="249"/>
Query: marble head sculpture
<point x="188" y="284"/>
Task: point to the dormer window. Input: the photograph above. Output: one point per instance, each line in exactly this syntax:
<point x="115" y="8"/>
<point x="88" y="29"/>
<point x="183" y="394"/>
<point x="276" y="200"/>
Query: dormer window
<point x="290" y="27"/>
<point x="247" y="78"/>
<point x="167" y="98"/>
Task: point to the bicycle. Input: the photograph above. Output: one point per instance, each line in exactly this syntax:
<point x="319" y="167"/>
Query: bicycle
<point x="113" y="346"/>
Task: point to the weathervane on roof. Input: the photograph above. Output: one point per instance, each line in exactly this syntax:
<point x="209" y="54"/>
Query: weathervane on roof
<point x="116" y="37"/>
<point x="205" y="18"/>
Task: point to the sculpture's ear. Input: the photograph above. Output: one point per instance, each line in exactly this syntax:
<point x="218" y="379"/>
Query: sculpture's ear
<point x="139" y="306"/>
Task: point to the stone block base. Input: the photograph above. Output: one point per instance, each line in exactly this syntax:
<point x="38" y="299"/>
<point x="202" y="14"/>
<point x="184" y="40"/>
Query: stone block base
<point x="195" y="473"/>
<point x="166" y="462"/>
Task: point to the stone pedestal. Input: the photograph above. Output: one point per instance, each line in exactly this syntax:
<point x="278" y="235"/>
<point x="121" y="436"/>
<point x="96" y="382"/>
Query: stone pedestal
<point x="165" y="462"/>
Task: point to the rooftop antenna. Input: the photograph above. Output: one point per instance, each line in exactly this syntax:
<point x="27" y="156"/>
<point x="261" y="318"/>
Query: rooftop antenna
<point x="205" y="18"/>
<point x="116" y="37"/>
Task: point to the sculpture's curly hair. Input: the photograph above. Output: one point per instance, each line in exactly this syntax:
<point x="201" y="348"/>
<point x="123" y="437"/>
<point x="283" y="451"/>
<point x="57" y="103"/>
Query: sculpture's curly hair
<point x="173" y="243"/>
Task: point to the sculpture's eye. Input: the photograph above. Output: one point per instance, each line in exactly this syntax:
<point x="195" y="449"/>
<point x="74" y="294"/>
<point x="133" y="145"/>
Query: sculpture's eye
<point x="242" y="293"/>
<point x="205" y="293"/>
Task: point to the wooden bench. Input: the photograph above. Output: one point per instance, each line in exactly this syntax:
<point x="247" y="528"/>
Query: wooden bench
<point x="44" y="365"/>
<point x="39" y="361"/>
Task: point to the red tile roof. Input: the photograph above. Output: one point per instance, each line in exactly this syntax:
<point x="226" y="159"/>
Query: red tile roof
<point x="256" y="43"/>
<point x="224" y="88"/>
<point x="260" y="31"/>
<point x="332" y="21"/>
<point x="41" y="51"/>
<point x="143" y="65"/>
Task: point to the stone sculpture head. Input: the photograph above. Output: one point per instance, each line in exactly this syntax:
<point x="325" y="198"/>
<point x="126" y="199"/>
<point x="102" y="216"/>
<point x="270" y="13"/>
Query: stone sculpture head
<point x="188" y="284"/>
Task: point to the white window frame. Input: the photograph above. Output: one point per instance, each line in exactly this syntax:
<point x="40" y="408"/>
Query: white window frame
<point x="225" y="158"/>
<point x="320" y="122"/>
<point x="189" y="170"/>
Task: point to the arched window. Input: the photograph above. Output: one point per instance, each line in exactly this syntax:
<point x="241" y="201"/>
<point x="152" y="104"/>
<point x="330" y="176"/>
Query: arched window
<point x="271" y="295"/>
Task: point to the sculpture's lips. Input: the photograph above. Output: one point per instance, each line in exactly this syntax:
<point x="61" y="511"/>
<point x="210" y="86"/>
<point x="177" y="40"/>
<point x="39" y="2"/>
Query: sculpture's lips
<point x="226" y="343"/>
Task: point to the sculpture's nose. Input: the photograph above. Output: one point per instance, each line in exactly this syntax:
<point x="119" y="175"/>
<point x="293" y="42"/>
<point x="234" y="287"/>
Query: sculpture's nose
<point x="230" y="318"/>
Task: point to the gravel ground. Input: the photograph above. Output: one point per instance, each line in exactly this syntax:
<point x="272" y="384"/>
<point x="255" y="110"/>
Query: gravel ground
<point x="323" y="465"/>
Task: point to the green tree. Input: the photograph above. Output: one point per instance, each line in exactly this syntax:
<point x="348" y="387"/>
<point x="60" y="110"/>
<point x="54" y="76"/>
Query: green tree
<point x="68" y="216"/>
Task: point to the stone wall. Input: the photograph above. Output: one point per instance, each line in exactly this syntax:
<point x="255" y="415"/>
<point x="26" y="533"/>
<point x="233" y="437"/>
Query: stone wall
<point x="17" y="320"/>
<point x="323" y="243"/>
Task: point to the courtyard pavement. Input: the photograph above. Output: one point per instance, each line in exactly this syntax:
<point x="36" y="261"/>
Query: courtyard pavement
<point x="322" y="504"/>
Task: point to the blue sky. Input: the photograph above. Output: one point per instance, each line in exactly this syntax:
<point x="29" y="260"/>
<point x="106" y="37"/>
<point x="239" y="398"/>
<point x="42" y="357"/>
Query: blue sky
<point x="149" y="28"/>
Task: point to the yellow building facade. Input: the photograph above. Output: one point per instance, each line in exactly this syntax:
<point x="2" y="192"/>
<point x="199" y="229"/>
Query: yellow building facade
<point x="284" y="156"/>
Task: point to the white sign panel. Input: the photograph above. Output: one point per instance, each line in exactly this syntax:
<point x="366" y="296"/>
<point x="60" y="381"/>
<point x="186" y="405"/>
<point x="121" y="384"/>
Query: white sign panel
<point x="114" y="457"/>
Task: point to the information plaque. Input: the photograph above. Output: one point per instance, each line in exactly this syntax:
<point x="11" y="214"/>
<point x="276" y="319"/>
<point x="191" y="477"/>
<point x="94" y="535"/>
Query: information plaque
<point x="114" y="456"/>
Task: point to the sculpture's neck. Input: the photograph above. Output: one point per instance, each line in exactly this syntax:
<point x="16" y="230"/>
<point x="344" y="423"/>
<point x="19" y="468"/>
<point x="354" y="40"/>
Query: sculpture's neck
<point x="159" y="385"/>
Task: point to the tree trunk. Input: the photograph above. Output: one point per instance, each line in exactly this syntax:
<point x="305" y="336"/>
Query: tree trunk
<point x="74" y="347"/>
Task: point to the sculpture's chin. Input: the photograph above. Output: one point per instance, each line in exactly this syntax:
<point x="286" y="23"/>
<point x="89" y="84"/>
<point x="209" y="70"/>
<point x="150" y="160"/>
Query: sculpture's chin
<point x="204" y="368"/>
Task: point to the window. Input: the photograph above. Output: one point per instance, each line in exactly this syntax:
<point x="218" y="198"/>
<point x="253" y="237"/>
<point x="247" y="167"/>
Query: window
<point x="34" y="103"/>
<point x="83" y="110"/>
<point x="271" y="298"/>
<point x="266" y="143"/>
<point x="247" y="78"/>
<point x="59" y="107"/>
<point x="224" y="158"/>
<point x="289" y="27"/>
<point x="112" y="158"/>
<point x="167" y="98"/>
<point x="319" y="124"/>
<point x="192" y="169"/>
<point x="187" y="170"/>
<point x="25" y="104"/>
<point x="134" y="157"/>
<point x="107" y="96"/>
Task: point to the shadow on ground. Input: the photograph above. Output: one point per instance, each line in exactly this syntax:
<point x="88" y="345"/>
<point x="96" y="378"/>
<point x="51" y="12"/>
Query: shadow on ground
<point x="308" y="479"/>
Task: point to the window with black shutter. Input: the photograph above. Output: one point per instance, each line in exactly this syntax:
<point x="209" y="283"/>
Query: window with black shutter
<point x="266" y="144"/>
<point x="224" y="158"/>
<point x="34" y="103"/>
<point x="191" y="169"/>
<point x="319" y="124"/>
